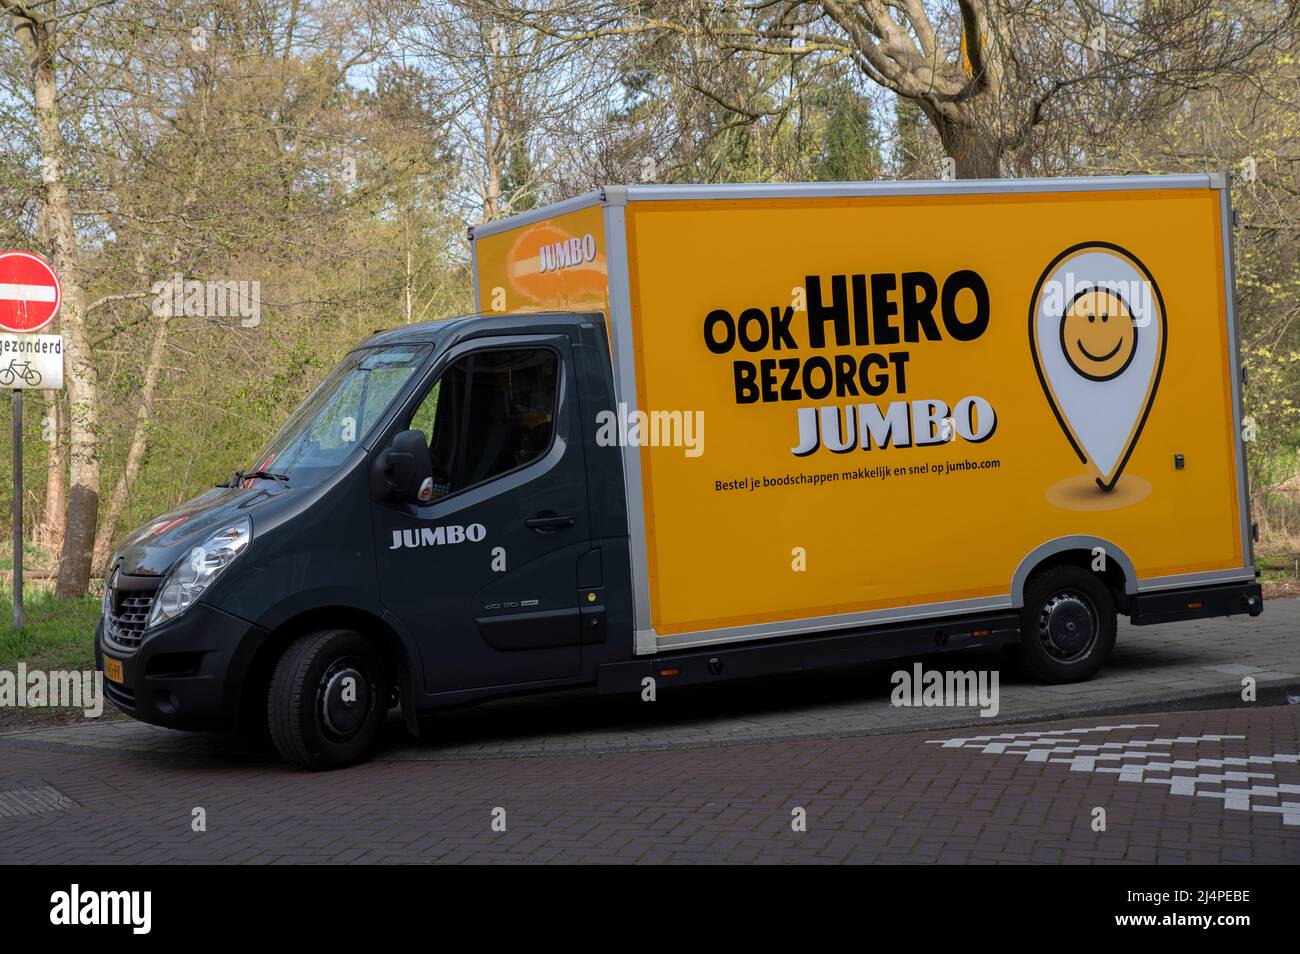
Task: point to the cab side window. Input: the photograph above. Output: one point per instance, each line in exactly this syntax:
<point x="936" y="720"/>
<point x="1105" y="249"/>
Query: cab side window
<point x="489" y="413"/>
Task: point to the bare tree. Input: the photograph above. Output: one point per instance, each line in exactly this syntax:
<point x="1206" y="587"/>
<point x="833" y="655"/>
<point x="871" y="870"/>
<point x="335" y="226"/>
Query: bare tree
<point x="522" y="108"/>
<point x="986" y="74"/>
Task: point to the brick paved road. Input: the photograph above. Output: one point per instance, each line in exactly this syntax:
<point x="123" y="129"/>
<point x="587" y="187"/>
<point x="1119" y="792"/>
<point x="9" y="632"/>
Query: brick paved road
<point x="714" y="773"/>
<point x="889" y="798"/>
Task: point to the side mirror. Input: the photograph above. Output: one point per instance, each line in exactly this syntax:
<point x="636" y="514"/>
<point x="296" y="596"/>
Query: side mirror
<point x="402" y="468"/>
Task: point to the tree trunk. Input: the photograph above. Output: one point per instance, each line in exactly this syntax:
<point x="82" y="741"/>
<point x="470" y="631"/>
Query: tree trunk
<point x="494" y="133"/>
<point x="976" y="153"/>
<point x="492" y="197"/>
<point x="135" y="455"/>
<point x="409" y="279"/>
<point x="49" y="533"/>
<point x="36" y="41"/>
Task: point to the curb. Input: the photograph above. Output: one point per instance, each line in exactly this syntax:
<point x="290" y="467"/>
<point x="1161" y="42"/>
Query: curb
<point x="1274" y="693"/>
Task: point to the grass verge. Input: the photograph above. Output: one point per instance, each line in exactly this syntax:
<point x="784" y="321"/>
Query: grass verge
<point x="56" y="635"/>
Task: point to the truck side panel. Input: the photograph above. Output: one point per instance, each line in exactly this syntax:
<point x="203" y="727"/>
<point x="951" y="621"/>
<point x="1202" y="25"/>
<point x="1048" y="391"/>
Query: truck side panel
<point x="748" y="528"/>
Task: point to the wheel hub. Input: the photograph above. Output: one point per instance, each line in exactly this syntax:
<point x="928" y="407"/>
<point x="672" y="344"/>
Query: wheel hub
<point x="343" y="699"/>
<point x="1068" y="625"/>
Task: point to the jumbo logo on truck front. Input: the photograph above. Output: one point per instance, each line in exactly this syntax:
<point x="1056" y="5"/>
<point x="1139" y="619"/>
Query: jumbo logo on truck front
<point x="882" y="310"/>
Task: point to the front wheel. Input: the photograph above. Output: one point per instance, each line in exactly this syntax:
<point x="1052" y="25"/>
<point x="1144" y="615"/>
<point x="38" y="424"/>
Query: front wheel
<point x="1068" y="625"/>
<point x="328" y="700"/>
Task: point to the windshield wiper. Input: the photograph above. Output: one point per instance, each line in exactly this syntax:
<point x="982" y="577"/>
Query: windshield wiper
<point x="243" y="475"/>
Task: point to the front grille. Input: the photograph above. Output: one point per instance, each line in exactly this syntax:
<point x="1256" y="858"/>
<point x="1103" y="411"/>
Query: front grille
<point x="126" y="625"/>
<point x="129" y="606"/>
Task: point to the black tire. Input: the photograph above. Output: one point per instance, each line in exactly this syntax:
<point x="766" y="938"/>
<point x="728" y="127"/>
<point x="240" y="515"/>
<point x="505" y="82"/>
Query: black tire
<point x="1068" y="625"/>
<point x="312" y="722"/>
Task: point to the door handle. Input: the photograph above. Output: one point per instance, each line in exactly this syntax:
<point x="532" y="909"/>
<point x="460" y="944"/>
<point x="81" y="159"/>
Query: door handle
<point x="551" y="522"/>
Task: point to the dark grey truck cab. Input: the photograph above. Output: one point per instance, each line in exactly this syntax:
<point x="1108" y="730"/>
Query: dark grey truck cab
<point x="434" y="525"/>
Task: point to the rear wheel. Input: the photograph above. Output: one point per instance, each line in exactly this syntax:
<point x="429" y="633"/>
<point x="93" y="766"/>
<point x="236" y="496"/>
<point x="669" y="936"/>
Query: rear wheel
<point x="1068" y="625"/>
<point x="329" y="696"/>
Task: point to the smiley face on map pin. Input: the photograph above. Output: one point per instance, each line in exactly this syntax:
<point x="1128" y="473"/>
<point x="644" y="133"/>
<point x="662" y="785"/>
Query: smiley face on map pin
<point x="1097" y="332"/>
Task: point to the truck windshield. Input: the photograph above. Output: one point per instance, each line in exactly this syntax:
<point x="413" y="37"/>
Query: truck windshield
<point x="339" y="414"/>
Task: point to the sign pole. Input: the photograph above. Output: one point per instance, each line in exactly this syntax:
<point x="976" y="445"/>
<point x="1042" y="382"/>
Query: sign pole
<point x="18" y="509"/>
<point x="30" y="296"/>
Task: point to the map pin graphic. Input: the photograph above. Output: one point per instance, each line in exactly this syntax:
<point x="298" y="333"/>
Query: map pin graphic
<point x="1097" y="332"/>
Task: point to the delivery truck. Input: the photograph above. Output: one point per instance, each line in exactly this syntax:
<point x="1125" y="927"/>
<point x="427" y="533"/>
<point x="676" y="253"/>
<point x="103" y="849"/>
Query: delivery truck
<point x="697" y="433"/>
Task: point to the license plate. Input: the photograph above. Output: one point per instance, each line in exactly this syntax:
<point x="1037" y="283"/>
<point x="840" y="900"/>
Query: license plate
<point x="113" y="669"/>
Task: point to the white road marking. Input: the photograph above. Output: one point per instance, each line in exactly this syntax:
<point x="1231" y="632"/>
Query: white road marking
<point x="1059" y="748"/>
<point x="1032" y="738"/>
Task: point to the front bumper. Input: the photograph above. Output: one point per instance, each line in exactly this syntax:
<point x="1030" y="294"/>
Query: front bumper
<point x="187" y="674"/>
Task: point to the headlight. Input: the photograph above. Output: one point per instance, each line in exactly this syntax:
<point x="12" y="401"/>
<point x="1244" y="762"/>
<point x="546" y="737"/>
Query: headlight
<point x="195" y="572"/>
<point x="106" y="604"/>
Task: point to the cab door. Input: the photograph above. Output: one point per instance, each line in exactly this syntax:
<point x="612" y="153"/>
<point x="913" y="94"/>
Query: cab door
<point x="484" y="575"/>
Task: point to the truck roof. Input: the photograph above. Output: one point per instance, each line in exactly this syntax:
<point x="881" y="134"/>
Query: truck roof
<point x="621" y="195"/>
<point x="426" y="332"/>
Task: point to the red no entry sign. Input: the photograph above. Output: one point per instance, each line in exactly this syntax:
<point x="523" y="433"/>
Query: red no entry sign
<point x="30" y="293"/>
